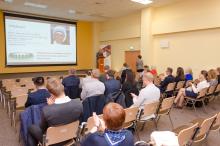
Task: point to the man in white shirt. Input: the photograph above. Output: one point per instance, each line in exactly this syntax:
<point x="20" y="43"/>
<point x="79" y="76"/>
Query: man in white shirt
<point x="149" y="94"/>
<point x="93" y="86"/>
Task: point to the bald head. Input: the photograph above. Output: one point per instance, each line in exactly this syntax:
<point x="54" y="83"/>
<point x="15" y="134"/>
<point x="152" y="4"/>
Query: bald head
<point x="95" y="73"/>
<point x="147" y="78"/>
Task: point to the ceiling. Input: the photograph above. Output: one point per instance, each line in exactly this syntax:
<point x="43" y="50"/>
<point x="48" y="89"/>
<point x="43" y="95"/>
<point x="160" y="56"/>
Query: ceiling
<point x="90" y="10"/>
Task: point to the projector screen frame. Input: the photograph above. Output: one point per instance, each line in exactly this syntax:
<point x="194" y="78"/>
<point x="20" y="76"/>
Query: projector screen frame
<point x="43" y="18"/>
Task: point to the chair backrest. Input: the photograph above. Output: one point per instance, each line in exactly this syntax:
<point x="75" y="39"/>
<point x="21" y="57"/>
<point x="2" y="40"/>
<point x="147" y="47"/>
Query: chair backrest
<point x="171" y="86"/>
<point x="211" y="90"/>
<point x="205" y="126"/>
<point x="21" y="100"/>
<point x="131" y="114"/>
<point x="202" y="93"/>
<point x="217" y="89"/>
<point x="150" y="109"/>
<point x="180" y="85"/>
<point x="185" y="136"/>
<point x="19" y="91"/>
<point x="167" y="104"/>
<point x="61" y="133"/>
<point x="216" y="124"/>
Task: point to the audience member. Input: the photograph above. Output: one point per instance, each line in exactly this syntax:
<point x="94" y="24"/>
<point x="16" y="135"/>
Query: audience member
<point x="86" y="79"/>
<point x="218" y="73"/>
<point x="109" y="131"/>
<point x="139" y="64"/>
<point x="168" y="79"/>
<point x="93" y="86"/>
<point x="212" y="77"/>
<point x="102" y="76"/>
<point x="129" y="86"/>
<point x="71" y="84"/>
<point x="111" y="84"/>
<point x="39" y="96"/>
<point x="180" y="75"/>
<point x="124" y="69"/>
<point x="60" y="110"/>
<point x="205" y="73"/>
<point x="192" y="91"/>
<point x="149" y="94"/>
<point x="153" y="70"/>
<point x="189" y="74"/>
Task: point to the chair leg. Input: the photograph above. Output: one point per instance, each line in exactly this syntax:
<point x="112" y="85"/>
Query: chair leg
<point x="143" y="125"/>
<point x="155" y="123"/>
<point x="194" y="106"/>
<point x="203" y="105"/>
<point x="136" y="131"/>
<point x="170" y="120"/>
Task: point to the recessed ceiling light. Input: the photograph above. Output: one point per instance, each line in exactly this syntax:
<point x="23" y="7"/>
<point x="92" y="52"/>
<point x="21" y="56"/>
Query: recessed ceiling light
<point x="145" y="2"/>
<point x="35" y="5"/>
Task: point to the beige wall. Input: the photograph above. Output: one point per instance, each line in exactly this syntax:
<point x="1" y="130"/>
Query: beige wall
<point x="192" y="28"/>
<point x="120" y="33"/>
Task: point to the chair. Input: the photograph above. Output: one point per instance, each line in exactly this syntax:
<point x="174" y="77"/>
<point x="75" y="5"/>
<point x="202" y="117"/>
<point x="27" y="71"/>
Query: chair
<point x="165" y="108"/>
<point x="204" y="129"/>
<point x="169" y="90"/>
<point x="185" y="137"/>
<point x="62" y="133"/>
<point x="200" y="98"/>
<point x="179" y="85"/>
<point x="210" y="92"/>
<point x="217" y="90"/>
<point x="17" y="103"/>
<point x="131" y="116"/>
<point x="149" y="113"/>
<point x="215" y="125"/>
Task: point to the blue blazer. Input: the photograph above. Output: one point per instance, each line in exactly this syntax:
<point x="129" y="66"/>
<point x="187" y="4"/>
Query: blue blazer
<point x="37" y="97"/>
<point x="165" y="82"/>
<point x="112" y="86"/>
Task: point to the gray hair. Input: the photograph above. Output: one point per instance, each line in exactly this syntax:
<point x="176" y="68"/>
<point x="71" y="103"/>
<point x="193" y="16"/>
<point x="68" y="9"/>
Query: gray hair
<point x="149" y="76"/>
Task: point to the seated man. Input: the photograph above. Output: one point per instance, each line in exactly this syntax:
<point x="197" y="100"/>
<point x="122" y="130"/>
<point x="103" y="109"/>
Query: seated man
<point x="60" y="110"/>
<point x="71" y="84"/>
<point x="93" y="86"/>
<point x="39" y="96"/>
<point x="111" y="85"/>
<point x="149" y="94"/>
<point x="168" y="79"/>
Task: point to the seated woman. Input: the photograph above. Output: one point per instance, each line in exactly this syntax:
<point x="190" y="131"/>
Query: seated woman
<point x="191" y="92"/>
<point x="39" y="96"/>
<point x="129" y="86"/>
<point x="179" y="75"/>
<point x="189" y="74"/>
<point x="109" y="131"/>
<point x="212" y="77"/>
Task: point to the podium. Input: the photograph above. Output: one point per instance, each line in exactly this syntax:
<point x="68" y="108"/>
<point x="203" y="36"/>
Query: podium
<point x="101" y="63"/>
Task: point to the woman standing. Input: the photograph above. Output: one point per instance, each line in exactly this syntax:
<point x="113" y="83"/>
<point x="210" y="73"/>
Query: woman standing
<point x="139" y="64"/>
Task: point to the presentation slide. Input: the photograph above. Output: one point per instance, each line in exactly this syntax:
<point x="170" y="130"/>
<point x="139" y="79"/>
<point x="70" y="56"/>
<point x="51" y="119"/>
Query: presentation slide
<point x="39" y="42"/>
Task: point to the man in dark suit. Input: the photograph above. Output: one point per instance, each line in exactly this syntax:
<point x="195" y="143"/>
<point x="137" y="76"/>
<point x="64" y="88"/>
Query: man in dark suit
<point x="61" y="110"/>
<point x="39" y="96"/>
<point x="111" y="85"/>
<point x="168" y="79"/>
<point x="71" y="84"/>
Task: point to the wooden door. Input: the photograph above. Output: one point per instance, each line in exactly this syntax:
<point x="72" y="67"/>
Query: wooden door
<point x="131" y="57"/>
